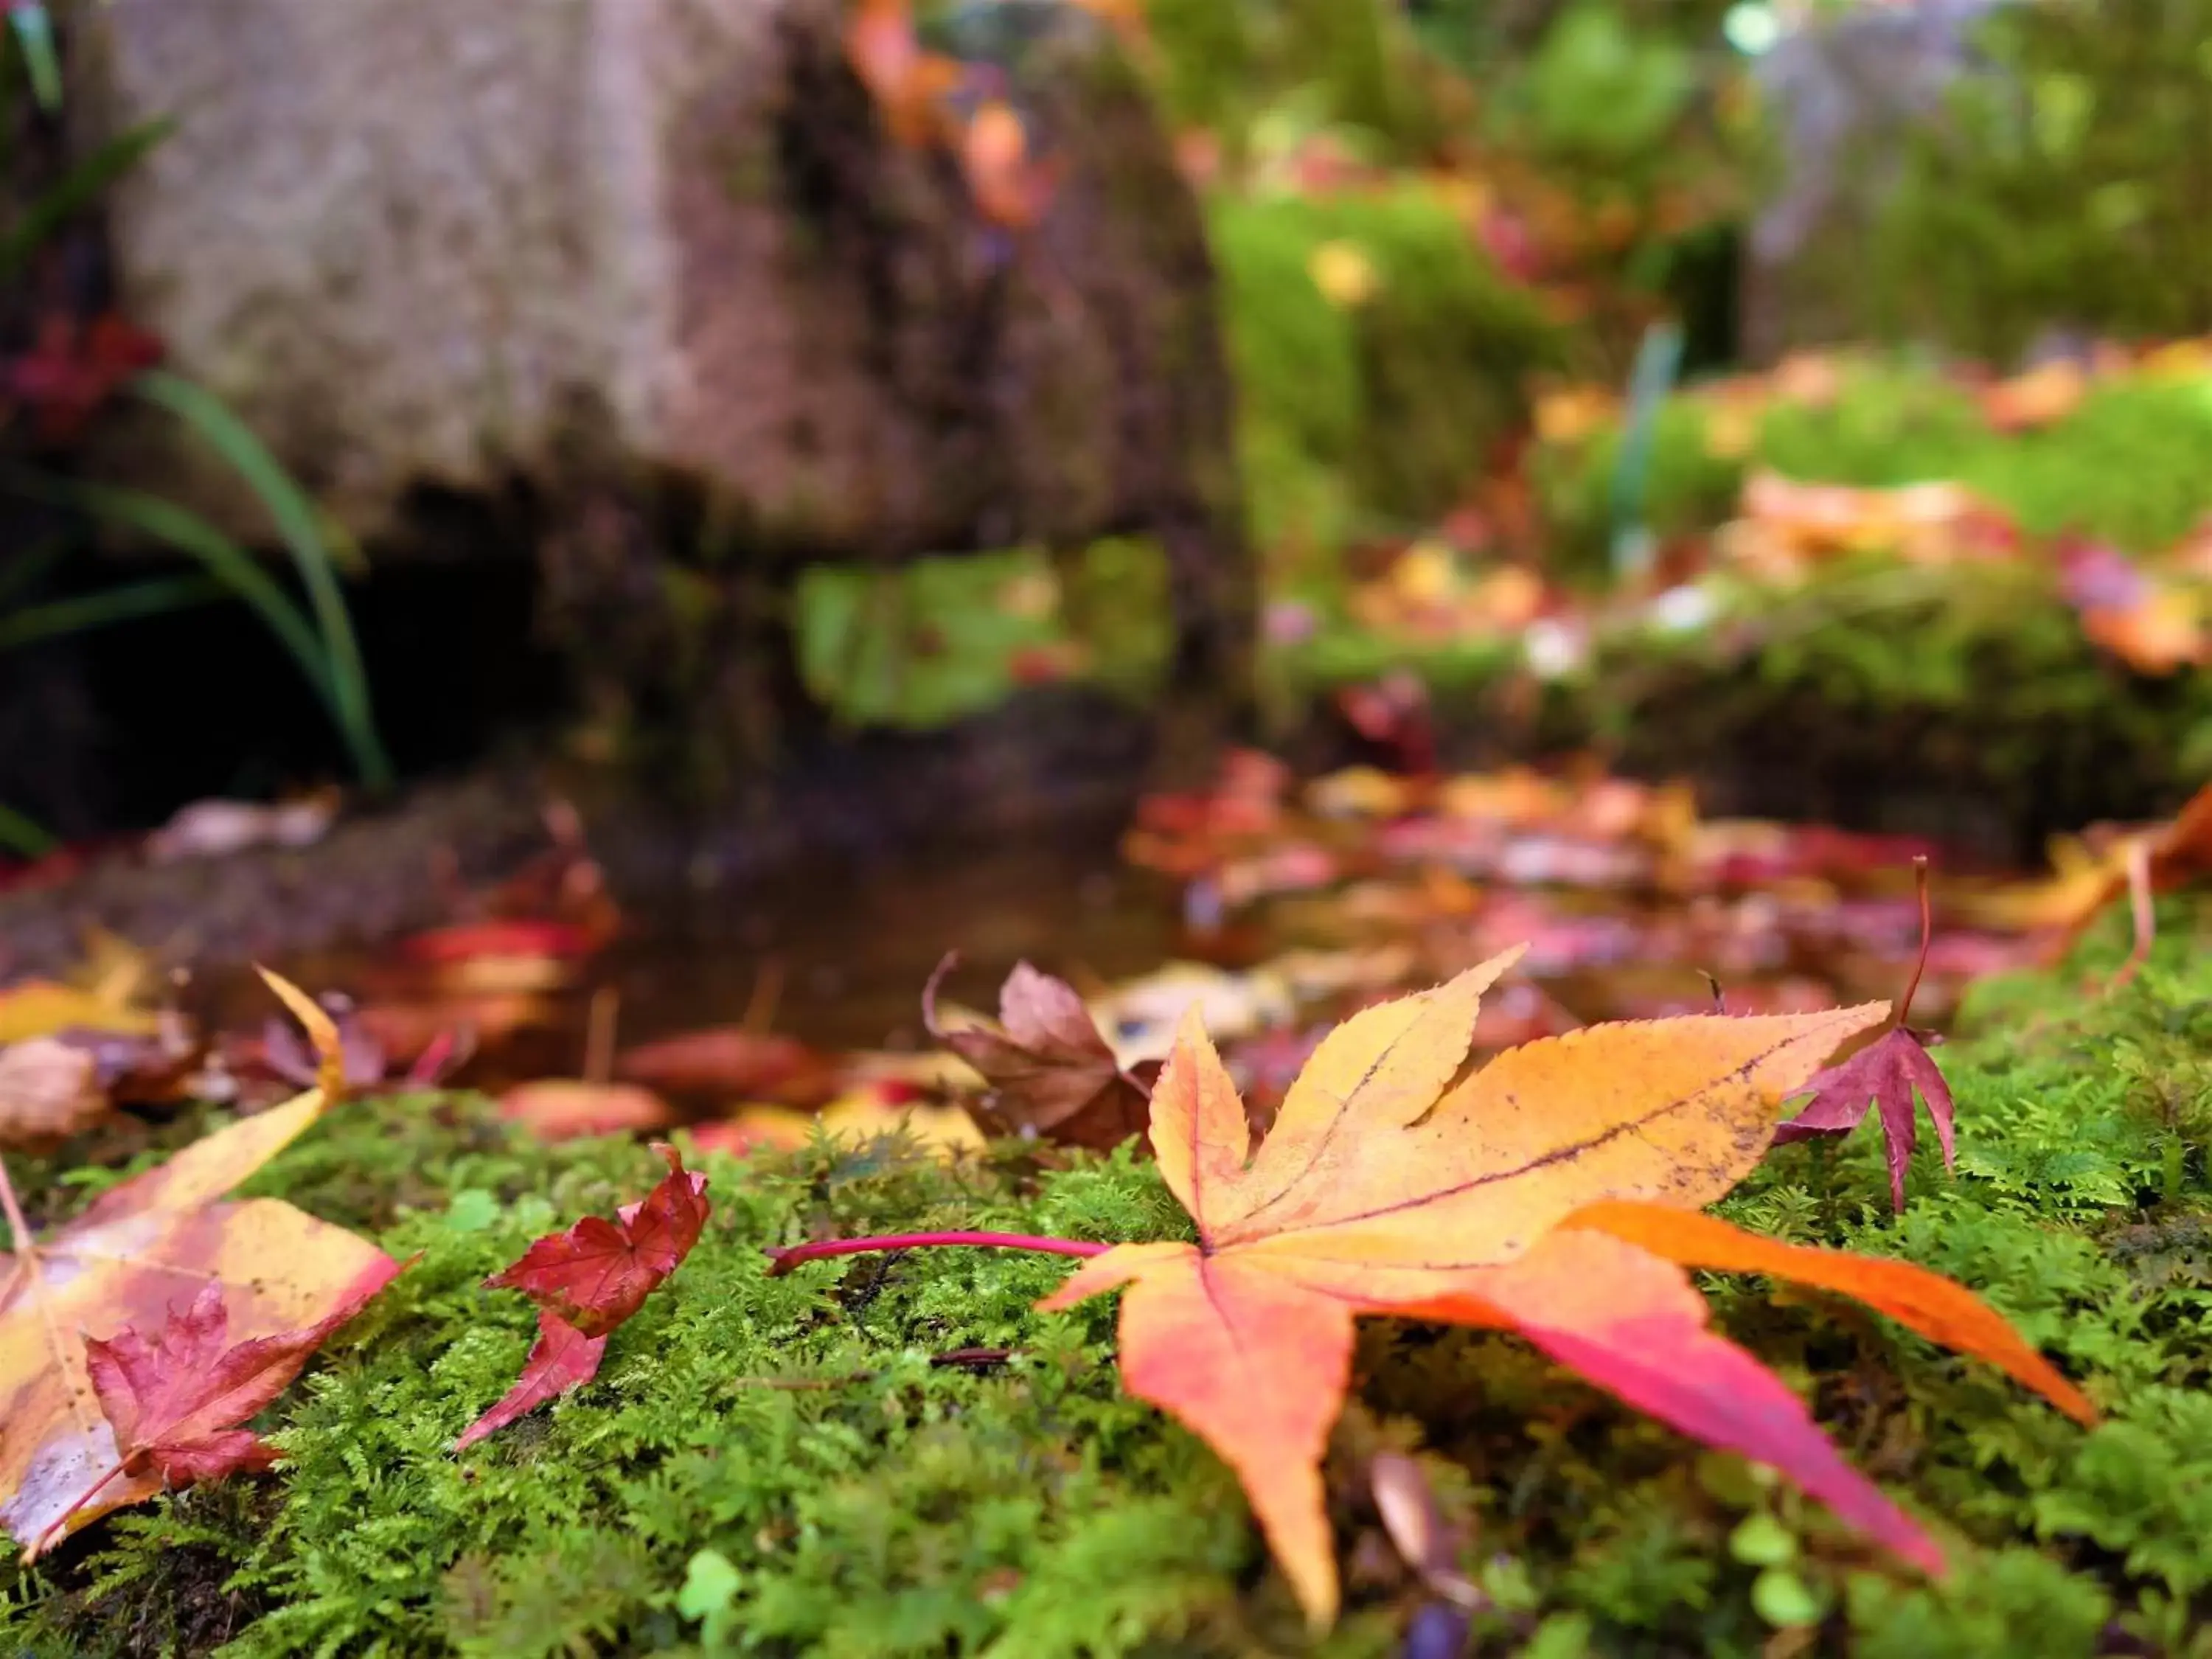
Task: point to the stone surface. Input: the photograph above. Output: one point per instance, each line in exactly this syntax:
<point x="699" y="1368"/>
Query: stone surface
<point x="464" y="245"/>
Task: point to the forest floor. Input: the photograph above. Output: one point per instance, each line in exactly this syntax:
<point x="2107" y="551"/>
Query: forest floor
<point x="897" y="1454"/>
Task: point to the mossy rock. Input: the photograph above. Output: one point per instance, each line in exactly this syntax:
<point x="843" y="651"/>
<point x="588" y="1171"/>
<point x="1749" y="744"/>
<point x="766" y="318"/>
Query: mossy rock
<point x="1378" y="409"/>
<point x="2132" y="464"/>
<point x="1962" y="702"/>
<point x="1876" y="687"/>
<point x="777" y="1466"/>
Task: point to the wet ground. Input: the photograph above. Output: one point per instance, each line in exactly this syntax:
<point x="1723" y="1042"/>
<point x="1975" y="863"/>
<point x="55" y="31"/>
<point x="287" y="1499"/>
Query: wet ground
<point x="1279" y="904"/>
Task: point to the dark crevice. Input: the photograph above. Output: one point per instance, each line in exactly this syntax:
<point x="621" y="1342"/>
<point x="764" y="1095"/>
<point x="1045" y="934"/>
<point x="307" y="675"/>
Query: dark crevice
<point x="112" y="730"/>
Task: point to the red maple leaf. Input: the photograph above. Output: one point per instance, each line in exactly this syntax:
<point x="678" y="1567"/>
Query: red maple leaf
<point x="598" y="1272"/>
<point x="176" y="1402"/>
<point x="562" y="1358"/>
<point x="73" y="367"/>
<point x="589" y="1280"/>
<point x="1882" y="1077"/>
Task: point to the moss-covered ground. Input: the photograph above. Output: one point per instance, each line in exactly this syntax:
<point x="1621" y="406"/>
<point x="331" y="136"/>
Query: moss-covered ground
<point x="1872" y="680"/>
<point x="778" y="1464"/>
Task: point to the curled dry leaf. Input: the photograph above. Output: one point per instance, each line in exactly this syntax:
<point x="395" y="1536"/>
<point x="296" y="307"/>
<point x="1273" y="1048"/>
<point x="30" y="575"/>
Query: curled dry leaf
<point x="588" y="1280"/>
<point x="2090" y="874"/>
<point x="1554" y="1193"/>
<point x="1051" y="1073"/>
<point x="118" y="1264"/>
<point x="281" y="1055"/>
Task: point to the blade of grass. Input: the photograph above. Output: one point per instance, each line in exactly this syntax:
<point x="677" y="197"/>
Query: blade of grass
<point x="34" y="38"/>
<point x="297" y="523"/>
<point x="25" y="567"/>
<point x="89" y="611"/>
<point x="76" y="190"/>
<point x="223" y="559"/>
<point x="18" y="834"/>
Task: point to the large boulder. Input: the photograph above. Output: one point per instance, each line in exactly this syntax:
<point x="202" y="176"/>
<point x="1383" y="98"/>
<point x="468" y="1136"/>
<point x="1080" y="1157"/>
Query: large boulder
<point x="441" y="247"/>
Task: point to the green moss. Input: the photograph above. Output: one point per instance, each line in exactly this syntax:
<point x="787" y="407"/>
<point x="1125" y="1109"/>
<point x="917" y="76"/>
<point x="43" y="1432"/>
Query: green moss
<point x="928" y="643"/>
<point x="775" y="1465"/>
<point x="1381" y="410"/>
<point x="1351" y="66"/>
<point x="1959" y="701"/>
<point x="2132" y="464"/>
<point x="2064" y="185"/>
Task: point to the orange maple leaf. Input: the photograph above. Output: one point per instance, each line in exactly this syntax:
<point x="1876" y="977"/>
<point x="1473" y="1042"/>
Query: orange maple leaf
<point x="1554" y="1193"/>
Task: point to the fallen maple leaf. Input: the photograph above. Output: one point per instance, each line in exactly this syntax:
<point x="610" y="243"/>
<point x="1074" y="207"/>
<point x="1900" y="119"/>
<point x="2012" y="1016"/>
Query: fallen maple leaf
<point x="281" y="1054"/>
<point x="564" y="1108"/>
<point x="118" y="1266"/>
<point x="588" y="1280"/>
<point x="174" y="1403"/>
<point x="1554" y="1193"/>
<point x="1051" y="1073"/>
<point x="562" y="1358"/>
<point x="1882" y="1076"/>
<point x="2089" y="872"/>
<point x="38" y="1007"/>
<point x="733" y="1061"/>
<point x="2042" y="396"/>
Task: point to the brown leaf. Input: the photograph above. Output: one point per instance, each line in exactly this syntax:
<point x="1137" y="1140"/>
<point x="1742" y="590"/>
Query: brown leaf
<point x="1051" y="1073"/>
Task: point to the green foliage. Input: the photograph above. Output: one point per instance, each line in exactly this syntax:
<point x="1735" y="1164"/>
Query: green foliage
<point x="1376" y="410"/>
<point x="324" y="649"/>
<point x="2131" y="465"/>
<point x="2066" y="183"/>
<point x="931" y="642"/>
<point x="1979" y="670"/>
<point x="775" y="1465"/>
<point x="1237" y="66"/>
<point x="1600" y="94"/>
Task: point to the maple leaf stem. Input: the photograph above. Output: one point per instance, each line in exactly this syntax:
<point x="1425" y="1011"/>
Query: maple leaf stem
<point x="26" y="1249"/>
<point x="62" y="1521"/>
<point x="19" y="1229"/>
<point x="1927" y="934"/>
<point x="783" y="1260"/>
